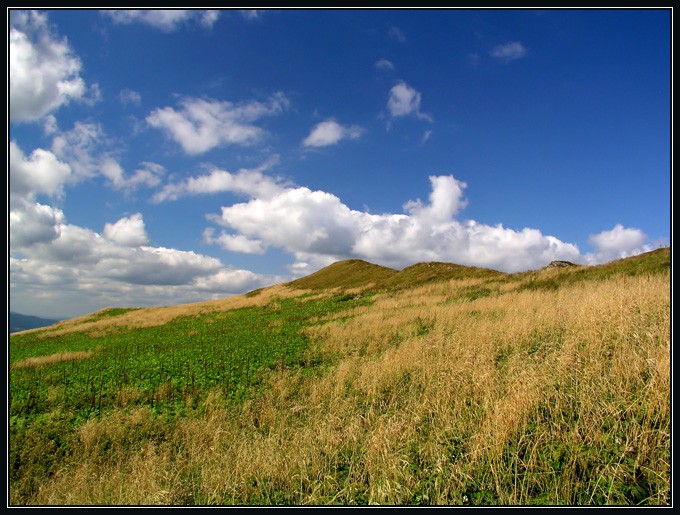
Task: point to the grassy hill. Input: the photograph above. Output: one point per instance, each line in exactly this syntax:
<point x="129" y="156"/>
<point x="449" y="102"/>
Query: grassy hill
<point x="348" y="274"/>
<point x="359" y="384"/>
<point x="360" y="275"/>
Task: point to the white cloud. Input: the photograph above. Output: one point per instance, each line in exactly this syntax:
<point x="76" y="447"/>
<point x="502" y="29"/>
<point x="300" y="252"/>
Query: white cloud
<point x="44" y="74"/>
<point x="76" y="271"/>
<point x="509" y="52"/>
<point x="93" y="96"/>
<point x="40" y="173"/>
<point x="50" y="125"/>
<point x="128" y="96"/>
<point x="165" y="20"/>
<point x="148" y="175"/>
<point x="63" y="270"/>
<point x="405" y="100"/>
<point x="128" y="231"/>
<point x="384" y="64"/>
<point x="316" y="227"/>
<point x="446" y="200"/>
<point x="252" y="182"/>
<point x="233" y="281"/>
<point x="297" y="220"/>
<point x="82" y="148"/>
<point x="331" y="132"/>
<point x="87" y="151"/>
<point x="617" y="243"/>
<point x="396" y="34"/>
<point x="201" y="124"/>
<point x="234" y="242"/>
<point x="209" y="17"/>
<point x="31" y="223"/>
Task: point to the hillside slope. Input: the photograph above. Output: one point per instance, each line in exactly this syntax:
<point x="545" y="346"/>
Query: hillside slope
<point x="548" y="387"/>
<point x="347" y="274"/>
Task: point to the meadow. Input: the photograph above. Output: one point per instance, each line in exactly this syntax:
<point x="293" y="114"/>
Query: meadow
<point x="436" y="385"/>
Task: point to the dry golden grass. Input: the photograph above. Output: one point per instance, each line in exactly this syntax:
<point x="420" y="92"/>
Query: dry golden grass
<point x="556" y="397"/>
<point x="42" y="361"/>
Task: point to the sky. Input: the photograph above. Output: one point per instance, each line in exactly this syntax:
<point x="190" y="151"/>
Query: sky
<point x="160" y="157"/>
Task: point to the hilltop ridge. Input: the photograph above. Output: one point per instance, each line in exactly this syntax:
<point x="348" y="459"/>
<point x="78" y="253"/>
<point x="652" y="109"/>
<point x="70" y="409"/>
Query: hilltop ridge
<point x="346" y="274"/>
<point x="357" y="273"/>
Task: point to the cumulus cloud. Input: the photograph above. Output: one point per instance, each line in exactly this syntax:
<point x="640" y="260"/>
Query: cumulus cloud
<point x="202" y="124"/>
<point x="617" y="243"/>
<point x="128" y="231"/>
<point x="233" y="281"/>
<point x="64" y="270"/>
<point x="331" y="132"/>
<point x="165" y="20"/>
<point x="384" y="64"/>
<point x="44" y="73"/>
<point x="508" y="52"/>
<point x="251" y="182"/>
<point x="234" y="242"/>
<point x="39" y="173"/>
<point x="32" y="222"/>
<point x="404" y="101"/>
<point x="317" y="228"/>
<point x="76" y="270"/>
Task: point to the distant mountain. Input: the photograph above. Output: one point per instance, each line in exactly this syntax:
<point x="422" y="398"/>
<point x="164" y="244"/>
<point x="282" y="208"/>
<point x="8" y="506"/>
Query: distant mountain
<point x="19" y="322"/>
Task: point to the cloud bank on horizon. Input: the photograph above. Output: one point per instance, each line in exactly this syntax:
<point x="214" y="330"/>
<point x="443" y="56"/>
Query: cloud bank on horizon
<point x="58" y="268"/>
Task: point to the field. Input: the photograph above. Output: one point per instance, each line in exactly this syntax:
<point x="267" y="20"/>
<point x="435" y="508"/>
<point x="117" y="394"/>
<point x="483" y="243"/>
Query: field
<point x="434" y="385"/>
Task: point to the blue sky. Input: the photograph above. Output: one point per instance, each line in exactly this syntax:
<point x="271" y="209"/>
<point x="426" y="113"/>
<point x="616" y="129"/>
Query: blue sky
<point x="163" y="157"/>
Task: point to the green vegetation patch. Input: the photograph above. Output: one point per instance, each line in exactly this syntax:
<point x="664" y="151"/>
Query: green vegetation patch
<point x="170" y="364"/>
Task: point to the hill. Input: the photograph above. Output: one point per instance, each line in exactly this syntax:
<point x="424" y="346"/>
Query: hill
<point x="372" y="386"/>
<point x="424" y="273"/>
<point x="19" y="322"/>
<point x="347" y="274"/>
<point x="359" y="274"/>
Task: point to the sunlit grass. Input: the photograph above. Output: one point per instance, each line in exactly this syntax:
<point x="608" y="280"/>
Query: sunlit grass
<point x="481" y="390"/>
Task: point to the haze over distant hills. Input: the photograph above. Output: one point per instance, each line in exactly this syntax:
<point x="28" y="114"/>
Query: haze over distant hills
<point x="20" y="322"/>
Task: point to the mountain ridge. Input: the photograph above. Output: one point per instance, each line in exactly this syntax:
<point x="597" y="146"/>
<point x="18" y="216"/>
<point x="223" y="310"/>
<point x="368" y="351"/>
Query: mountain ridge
<point x="21" y="322"/>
